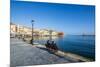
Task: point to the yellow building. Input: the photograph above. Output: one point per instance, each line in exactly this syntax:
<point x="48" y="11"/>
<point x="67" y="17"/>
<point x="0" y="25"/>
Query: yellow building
<point x="54" y="33"/>
<point x="23" y="30"/>
<point x="43" y="32"/>
<point x="27" y="31"/>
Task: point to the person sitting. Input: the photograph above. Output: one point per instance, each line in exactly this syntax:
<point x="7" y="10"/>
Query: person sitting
<point x="51" y="45"/>
<point x="54" y="46"/>
<point x="47" y="44"/>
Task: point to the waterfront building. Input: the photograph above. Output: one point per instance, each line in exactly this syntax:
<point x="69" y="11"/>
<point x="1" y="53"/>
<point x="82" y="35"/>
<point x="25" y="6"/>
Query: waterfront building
<point x="27" y="31"/>
<point x="13" y="30"/>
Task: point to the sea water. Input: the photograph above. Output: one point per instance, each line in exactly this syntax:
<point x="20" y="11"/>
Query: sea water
<point x="83" y="45"/>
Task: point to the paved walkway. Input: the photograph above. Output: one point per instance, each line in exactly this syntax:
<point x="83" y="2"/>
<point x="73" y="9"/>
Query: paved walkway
<point x="23" y="54"/>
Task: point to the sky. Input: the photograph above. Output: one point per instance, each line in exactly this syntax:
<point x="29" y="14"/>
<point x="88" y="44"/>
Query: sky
<point x="67" y="18"/>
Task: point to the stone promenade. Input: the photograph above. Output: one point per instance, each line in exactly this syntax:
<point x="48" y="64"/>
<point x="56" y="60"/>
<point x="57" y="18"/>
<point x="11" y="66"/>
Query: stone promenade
<point x="24" y="54"/>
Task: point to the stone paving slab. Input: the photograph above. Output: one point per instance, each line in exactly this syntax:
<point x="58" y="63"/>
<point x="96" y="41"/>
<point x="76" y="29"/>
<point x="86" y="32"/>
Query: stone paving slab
<point x="23" y="54"/>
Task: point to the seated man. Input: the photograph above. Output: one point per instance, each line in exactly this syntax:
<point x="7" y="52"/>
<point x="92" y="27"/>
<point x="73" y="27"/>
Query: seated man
<point x="54" y="46"/>
<point x="47" y="44"/>
<point x="51" y="45"/>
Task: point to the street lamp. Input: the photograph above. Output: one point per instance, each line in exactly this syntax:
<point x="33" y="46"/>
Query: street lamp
<point x="50" y="34"/>
<point x="32" y="40"/>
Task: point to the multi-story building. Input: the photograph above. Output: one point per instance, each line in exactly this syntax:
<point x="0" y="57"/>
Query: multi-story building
<point x="23" y="30"/>
<point x="13" y="30"/>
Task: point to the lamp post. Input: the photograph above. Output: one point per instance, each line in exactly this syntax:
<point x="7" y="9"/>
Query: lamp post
<point x="50" y="34"/>
<point x="32" y="40"/>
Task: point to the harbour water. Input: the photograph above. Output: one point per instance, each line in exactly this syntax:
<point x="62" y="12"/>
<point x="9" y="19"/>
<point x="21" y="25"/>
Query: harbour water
<point x="77" y="44"/>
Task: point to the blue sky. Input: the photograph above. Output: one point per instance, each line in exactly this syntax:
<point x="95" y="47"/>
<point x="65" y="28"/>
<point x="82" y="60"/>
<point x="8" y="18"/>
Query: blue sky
<point x="68" y="18"/>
